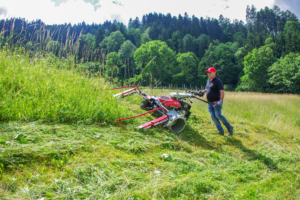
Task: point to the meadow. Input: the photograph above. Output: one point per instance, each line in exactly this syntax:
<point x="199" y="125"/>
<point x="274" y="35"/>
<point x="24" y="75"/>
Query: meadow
<point x="59" y="140"/>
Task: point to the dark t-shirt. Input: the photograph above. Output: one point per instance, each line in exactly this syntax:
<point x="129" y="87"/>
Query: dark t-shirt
<point x="213" y="89"/>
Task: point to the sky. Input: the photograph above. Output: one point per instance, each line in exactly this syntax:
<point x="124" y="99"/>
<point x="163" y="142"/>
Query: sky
<point x="98" y="11"/>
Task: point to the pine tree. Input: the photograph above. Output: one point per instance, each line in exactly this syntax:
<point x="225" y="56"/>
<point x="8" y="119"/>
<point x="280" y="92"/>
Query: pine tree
<point x="99" y="36"/>
<point x="113" y="27"/>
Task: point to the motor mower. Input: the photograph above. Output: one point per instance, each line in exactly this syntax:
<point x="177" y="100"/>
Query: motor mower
<point x="171" y="111"/>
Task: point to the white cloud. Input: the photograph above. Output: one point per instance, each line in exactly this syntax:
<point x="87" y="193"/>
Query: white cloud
<point x="75" y="11"/>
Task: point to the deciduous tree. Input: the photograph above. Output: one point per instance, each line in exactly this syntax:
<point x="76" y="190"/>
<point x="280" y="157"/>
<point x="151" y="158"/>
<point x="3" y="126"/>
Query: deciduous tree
<point x="162" y="59"/>
<point x="186" y="69"/>
<point x="113" y="42"/>
<point x="256" y="64"/>
<point x="285" y="74"/>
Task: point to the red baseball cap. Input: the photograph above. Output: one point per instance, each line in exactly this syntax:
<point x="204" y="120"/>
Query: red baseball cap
<point x="211" y="69"/>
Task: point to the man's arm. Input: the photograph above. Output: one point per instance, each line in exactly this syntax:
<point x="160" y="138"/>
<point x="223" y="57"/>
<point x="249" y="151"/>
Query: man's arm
<point x="222" y="95"/>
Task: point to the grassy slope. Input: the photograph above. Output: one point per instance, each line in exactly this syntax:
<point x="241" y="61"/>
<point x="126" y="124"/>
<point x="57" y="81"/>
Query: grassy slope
<point x="49" y="89"/>
<point x="54" y="160"/>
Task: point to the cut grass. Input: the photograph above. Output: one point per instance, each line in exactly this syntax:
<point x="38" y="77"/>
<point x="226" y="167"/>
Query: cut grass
<point x="97" y="162"/>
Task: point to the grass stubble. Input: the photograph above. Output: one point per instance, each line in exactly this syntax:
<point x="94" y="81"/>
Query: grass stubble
<point x="59" y="141"/>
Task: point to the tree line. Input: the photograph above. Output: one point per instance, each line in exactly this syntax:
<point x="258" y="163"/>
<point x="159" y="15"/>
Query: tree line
<point x="261" y="55"/>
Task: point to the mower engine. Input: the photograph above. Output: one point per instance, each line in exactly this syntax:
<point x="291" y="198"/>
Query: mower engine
<point x="178" y="111"/>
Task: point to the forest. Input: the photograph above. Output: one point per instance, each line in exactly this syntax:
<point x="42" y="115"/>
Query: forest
<point x="261" y="54"/>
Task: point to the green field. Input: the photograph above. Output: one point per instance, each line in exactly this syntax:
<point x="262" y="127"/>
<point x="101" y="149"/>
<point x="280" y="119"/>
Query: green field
<point x="59" y="140"/>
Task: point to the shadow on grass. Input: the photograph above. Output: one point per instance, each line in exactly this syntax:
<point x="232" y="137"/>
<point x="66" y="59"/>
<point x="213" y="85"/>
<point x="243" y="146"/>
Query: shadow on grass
<point x="251" y="154"/>
<point x="192" y="136"/>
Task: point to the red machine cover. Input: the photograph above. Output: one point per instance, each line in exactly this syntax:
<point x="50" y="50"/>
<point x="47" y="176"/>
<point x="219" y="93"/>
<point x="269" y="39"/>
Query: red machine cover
<point x="169" y="101"/>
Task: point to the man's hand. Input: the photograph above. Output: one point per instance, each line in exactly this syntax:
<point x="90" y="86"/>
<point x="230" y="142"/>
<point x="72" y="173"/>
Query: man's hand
<point x="219" y="103"/>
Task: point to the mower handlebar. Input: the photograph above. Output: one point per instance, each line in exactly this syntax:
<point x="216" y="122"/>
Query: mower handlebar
<point x="144" y="94"/>
<point x="200" y="94"/>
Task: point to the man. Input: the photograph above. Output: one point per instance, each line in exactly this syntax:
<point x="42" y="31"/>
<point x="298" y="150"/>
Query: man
<point x="215" y="93"/>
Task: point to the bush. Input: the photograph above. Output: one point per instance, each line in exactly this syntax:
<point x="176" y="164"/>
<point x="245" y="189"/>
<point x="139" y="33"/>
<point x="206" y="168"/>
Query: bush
<point x="228" y="87"/>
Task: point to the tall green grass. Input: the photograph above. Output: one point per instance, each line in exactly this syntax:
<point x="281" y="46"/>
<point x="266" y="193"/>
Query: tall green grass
<point x="46" y="88"/>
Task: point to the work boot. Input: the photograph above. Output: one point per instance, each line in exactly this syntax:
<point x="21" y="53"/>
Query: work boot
<point x="220" y="133"/>
<point x="230" y="130"/>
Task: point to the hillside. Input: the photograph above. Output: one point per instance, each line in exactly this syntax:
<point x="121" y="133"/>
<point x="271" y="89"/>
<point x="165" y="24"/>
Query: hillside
<point x="59" y="141"/>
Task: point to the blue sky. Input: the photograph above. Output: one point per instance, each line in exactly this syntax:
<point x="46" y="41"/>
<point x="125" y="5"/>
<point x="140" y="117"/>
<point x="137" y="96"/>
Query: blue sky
<point x="97" y="11"/>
